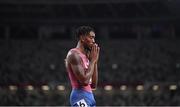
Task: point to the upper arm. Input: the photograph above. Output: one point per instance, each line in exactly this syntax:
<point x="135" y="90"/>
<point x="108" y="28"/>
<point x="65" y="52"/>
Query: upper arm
<point x="75" y="62"/>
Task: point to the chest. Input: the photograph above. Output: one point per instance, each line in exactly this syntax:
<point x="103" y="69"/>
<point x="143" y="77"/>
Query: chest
<point x="85" y="62"/>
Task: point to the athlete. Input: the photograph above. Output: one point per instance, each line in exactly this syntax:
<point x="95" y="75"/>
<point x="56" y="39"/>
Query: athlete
<point x="81" y="64"/>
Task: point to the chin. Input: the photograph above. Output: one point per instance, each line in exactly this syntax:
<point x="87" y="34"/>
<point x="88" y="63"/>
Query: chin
<point x="88" y="48"/>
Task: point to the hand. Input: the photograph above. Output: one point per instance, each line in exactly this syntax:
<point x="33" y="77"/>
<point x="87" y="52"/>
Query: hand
<point x="94" y="54"/>
<point x="98" y="50"/>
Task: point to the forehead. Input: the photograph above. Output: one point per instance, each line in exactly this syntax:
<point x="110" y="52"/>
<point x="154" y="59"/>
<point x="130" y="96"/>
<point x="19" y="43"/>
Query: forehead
<point x="91" y="33"/>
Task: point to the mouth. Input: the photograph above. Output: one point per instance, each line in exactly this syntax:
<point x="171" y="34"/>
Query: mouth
<point x="91" y="45"/>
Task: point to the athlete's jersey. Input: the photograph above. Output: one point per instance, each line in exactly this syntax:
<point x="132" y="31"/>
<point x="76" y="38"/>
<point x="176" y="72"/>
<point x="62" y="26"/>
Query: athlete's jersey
<point x="74" y="81"/>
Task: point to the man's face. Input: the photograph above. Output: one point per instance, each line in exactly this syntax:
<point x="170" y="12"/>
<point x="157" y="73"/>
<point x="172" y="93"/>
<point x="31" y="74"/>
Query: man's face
<point x="88" y="40"/>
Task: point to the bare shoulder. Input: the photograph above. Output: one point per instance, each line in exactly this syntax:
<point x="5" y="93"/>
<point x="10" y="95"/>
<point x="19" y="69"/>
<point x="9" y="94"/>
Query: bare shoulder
<point x="73" y="57"/>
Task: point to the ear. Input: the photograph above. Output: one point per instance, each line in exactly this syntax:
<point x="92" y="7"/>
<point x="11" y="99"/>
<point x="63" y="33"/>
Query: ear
<point x="82" y="38"/>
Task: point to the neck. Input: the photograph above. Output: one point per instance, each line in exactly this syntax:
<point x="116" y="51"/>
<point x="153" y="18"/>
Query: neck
<point x="81" y="47"/>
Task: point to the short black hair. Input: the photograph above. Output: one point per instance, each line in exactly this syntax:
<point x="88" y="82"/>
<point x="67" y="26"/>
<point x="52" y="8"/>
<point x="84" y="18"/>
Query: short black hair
<point x="83" y="30"/>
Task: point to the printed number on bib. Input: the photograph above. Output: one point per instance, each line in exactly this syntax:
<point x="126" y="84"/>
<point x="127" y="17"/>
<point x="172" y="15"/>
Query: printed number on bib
<point x="82" y="103"/>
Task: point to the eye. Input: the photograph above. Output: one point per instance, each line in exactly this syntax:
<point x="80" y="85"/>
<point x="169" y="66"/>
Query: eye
<point x="92" y="37"/>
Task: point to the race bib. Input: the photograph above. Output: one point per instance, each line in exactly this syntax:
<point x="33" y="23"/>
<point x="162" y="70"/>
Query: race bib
<point x="82" y="103"/>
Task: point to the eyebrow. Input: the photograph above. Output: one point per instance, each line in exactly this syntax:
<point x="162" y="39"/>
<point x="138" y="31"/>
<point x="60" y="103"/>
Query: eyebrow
<point x="92" y="36"/>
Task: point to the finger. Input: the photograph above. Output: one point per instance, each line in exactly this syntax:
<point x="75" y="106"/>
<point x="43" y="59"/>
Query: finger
<point x="92" y="48"/>
<point x="96" y="44"/>
<point x="98" y="53"/>
<point x="96" y="48"/>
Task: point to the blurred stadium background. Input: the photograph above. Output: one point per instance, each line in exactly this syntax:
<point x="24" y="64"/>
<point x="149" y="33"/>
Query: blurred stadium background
<point x="140" y="54"/>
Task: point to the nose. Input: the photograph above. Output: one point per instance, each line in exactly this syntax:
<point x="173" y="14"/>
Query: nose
<point x="93" y="41"/>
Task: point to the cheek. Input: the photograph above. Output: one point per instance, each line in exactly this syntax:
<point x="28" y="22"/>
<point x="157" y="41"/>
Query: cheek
<point x="88" y="41"/>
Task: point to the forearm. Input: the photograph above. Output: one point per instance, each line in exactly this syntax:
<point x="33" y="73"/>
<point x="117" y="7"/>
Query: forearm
<point x="90" y="72"/>
<point x="95" y="77"/>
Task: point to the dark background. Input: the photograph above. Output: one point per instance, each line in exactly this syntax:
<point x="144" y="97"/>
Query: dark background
<point x="139" y="42"/>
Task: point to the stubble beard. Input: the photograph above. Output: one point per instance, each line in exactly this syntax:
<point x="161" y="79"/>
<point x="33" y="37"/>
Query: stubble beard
<point x="87" y="48"/>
